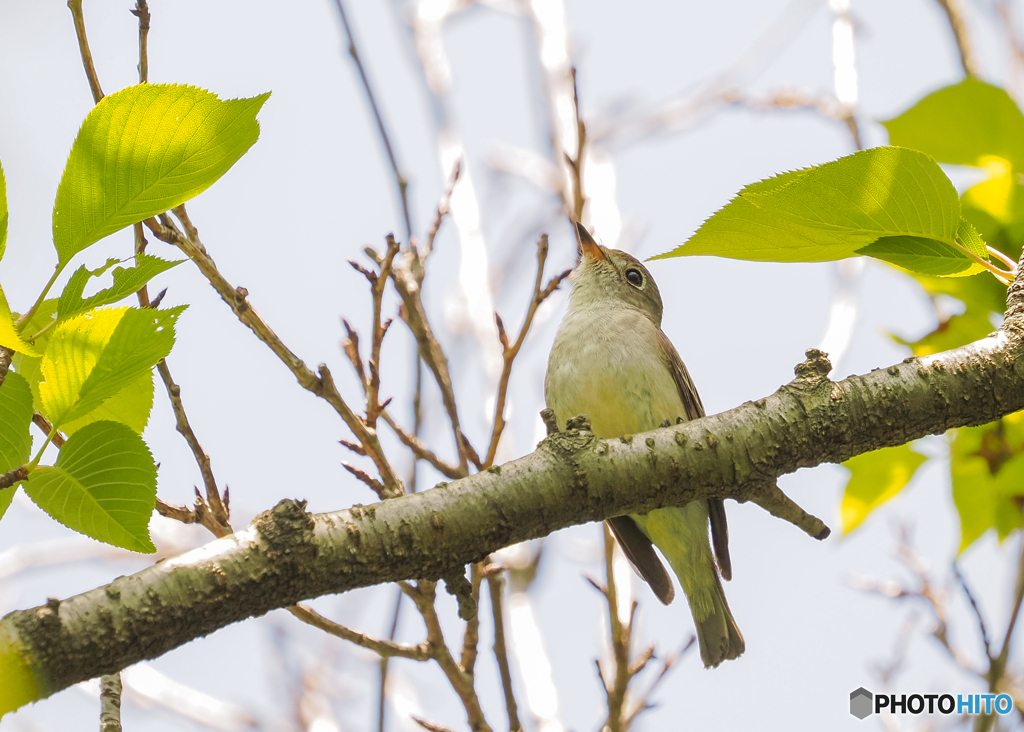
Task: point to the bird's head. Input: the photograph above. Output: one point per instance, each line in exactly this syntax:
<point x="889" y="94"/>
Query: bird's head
<point x="606" y="276"/>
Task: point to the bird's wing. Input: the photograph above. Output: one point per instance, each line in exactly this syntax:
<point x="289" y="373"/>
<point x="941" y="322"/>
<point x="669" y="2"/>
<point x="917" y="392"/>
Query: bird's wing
<point x="640" y="552"/>
<point x="695" y="410"/>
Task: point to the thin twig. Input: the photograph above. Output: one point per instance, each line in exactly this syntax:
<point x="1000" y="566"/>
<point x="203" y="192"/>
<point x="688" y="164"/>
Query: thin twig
<point x="670" y="663"/>
<point x="141" y="11"/>
<point x="184" y="428"/>
<point x="83" y="46"/>
<point x="471" y="637"/>
<point x="401" y="182"/>
<point x="509" y="352"/>
<point x="420" y="652"/>
<point x="110" y="703"/>
<point x="578" y="200"/>
<point x="975" y="609"/>
<point x="621" y="630"/>
<point x="963" y="45"/>
<point x="431" y="726"/>
<point x="443" y="208"/>
<point x="496" y="585"/>
<point x="420" y="450"/>
<point x="377" y="285"/>
<point x="382" y="687"/>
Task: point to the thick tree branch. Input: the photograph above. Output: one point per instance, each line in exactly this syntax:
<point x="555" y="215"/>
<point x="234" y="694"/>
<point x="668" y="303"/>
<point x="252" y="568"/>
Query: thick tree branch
<point x="288" y="555"/>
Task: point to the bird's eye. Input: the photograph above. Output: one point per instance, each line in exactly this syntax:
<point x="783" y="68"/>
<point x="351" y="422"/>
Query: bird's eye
<point x="634" y="277"/>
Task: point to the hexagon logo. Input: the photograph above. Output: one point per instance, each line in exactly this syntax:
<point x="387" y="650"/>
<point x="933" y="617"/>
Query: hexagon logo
<point x="860" y="703"/>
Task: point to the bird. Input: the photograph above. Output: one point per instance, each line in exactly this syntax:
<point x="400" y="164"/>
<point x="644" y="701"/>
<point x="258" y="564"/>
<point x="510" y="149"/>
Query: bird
<point x="612" y="362"/>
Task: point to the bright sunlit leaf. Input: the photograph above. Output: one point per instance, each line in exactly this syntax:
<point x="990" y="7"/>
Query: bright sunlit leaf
<point x="93" y="356"/>
<point x="969" y="123"/>
<point x="3" y="212"/>
<point x="103" y="485"/>
<point x="987" y="466"/>
<point x="889" y="202"/>
<point x="876" y="477"/>
<point x="959" y="330"/>
<point x="142" y="151"/>
<point x="127" y="281"/>
<point x="15" y="439"/>
<point x="9" y="335"/>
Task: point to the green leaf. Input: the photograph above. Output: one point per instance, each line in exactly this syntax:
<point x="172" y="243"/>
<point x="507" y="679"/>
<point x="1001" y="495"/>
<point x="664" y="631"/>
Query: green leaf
<point x="917" y="254"/>
<point x="130" y="406"/>
<point x="835" y="210"/>
<point x="875" y="477"/>
<point x="987" y="467"/>
<point x="93" y="356"/>
<point x="15" y="438"/>
<point x="3" y="212"/>
<point x="103" y="485"/>
<point x="142" y="151"/>
<point x="127" y="281"/>
<point x="958" y="330"/>
<point x="963" y="124"/>
<point x="9" y="335"/>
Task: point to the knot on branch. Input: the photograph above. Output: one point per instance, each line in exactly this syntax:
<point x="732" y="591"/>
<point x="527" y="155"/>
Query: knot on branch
<point x="286" y="530"/>
<point x="456" y="584"/>
<point x="580" y="422"/>
<point x="550" y="421"/>
<point x="815" y="368"/>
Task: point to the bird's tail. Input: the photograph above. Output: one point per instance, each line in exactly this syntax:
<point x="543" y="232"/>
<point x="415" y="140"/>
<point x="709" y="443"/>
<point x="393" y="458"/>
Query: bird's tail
<point x="682" y="536"/>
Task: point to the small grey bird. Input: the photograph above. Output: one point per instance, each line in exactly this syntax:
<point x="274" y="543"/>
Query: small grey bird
<point x="612" y="362"/>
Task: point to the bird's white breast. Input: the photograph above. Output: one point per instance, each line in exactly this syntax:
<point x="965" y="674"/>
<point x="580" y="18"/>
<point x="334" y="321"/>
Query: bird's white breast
<point x="607" y="363"/>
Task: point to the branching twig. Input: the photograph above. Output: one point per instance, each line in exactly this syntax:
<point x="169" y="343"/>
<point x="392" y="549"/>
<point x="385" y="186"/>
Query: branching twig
<point x="237" y="299"/>
<point x="509" y="351"/>
<point x="423" y="595"/>
<point x="377" y="284"/>
<point x="644" y="703"/>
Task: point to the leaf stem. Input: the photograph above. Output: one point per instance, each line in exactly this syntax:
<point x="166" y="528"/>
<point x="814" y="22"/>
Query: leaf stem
<point x="1003" y="276"/>
<point x="1002" y="258"/>
<point x="42" y="295"/>
<point x="39" y="455"/>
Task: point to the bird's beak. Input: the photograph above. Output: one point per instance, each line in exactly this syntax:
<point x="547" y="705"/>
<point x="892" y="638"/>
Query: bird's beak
<point x="588" y="247"/>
